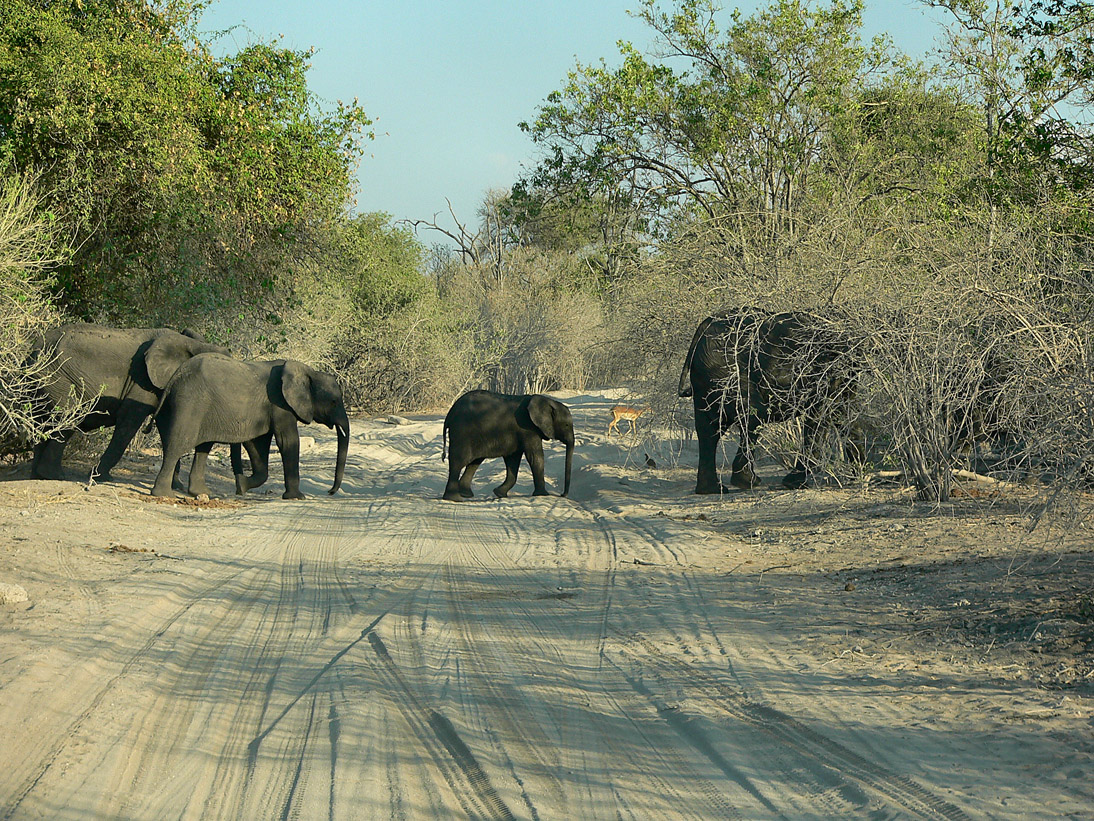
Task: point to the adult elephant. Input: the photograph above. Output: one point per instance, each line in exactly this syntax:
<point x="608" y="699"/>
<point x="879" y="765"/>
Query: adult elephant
<point x="748" y="367"/>
<point x="483" y="425"/>
<point x="123" y="370"/>
<point x="214" y="398"/>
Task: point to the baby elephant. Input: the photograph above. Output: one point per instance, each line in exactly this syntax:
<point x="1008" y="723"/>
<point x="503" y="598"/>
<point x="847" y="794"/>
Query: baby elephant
<point x="214" y="398"/>
<point x="482" y="425"/>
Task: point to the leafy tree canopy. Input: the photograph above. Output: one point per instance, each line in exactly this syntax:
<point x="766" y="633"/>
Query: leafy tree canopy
<point x="179" y="176"/>
<point x="1029" y="66"/>
<point x="716" y="119"/>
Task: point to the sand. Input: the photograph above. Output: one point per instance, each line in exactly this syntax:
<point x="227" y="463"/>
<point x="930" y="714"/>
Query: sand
<point x="633" y="652"/>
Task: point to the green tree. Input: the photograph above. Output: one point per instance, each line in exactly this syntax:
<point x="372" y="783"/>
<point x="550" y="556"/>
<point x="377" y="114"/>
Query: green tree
<point x="605" y="228"/>
<point x="1028" y="67"/>
<point x="182" y="180"/>
<point x="903" y="138"/>
<point x="740" y="127"/>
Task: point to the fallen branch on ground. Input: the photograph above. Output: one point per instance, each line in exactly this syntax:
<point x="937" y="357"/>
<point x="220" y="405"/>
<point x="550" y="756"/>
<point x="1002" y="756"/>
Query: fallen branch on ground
<point x="898" y="476"/>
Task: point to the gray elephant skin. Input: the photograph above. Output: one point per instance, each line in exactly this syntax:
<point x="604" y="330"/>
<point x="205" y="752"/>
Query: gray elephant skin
<point x="214" y="398"/>
<point x="127" y="368"/>
<point x="484" y="425"/>
<point x="749" y="367"/>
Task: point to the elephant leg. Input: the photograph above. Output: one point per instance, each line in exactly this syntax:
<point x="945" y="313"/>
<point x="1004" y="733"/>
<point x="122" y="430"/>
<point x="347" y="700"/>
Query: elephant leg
<point x="799" y="474"/>
<point x="534" y="454"/>
<point x="260" y="461"/>
<point x="468" y="475"/>
<point x="127" y="421"/>
<point x="708" y="431"/>
<point x="235" y="458"/>
<point x="512" y="465"/>
<point x="743" y="475"/>
<point x="854" y="446"/>
<point x="452" y="487"/>
<point x="47" y="456"/>
<point x="288" y="442"/>
<point x="172" y="453"/>
<point x="197" y="484"/>
<point x="798" y="477"/>
<point x="258" y="451"/>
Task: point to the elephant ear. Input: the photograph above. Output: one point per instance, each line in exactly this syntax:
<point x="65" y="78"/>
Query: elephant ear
<point x="297" y="390"/>
<point x="542" y="415"/>
<point x="164" y="356"/>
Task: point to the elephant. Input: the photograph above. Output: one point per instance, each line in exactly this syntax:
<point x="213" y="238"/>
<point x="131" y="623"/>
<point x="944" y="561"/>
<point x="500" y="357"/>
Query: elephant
<point x="126" y="368"/>
<point x="483" y="425"/>
<point x="749" y="367"/>
<point x="214" y="398"/>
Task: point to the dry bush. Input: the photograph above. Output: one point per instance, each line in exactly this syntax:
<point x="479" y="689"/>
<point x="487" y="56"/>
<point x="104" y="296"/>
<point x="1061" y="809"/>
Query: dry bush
<point x="391" y="361"/>
<point x="409" y="360"/>
<point x="958" y="341"/>
<point x="26" y="250"/>
<point x="1048" y="408"/>
<point x="925" y="384"/>
<point x="973" y="344"/>
<point x="527" y="318"/>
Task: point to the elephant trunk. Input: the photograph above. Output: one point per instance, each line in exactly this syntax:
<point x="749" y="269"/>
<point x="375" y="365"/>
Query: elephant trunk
<point x="342" y="426"/>
<point x="569" y="464"/>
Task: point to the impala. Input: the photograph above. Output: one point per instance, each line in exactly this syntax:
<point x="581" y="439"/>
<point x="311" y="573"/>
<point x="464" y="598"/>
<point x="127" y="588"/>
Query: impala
<point x="624" y="412"/>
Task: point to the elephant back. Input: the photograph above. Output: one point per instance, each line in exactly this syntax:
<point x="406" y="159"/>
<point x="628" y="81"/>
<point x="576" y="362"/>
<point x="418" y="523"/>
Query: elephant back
<point x="163" y="354"/>
<point x="725" y="351"/>
<point x="91" y="359"/>
<point x="114" y="362"/>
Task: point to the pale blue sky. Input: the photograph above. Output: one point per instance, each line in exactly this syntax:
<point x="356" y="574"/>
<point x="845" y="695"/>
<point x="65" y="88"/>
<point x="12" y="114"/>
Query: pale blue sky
<point x="448" y="81"/>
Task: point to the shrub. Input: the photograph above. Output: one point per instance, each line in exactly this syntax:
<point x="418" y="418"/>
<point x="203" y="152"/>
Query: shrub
<point x="28" y="247"/>
<point x="364" y="310"/>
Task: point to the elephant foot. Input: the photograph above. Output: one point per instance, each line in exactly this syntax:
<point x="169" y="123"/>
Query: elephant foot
<point x="241" y="484"/>
<point x="467" y="493"/>
<point x="169" y="493"/>
<point x="46" y="469"/>
<point x="717" y="490"/>
<point x="745" y="481"/>
<point x="796" y="480"/>
<point x="292" y="494"/>
<point x="454" y="497"/>
<point x="541" y="492"/>
<point x="501" y="492"/>
<point x="103" y="478"/>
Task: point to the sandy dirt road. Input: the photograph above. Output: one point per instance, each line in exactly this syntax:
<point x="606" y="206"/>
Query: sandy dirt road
<point x="632" y="653"/>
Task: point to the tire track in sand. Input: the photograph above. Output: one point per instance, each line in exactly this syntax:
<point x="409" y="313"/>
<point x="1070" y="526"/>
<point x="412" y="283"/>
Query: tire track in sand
<point x="830" y="776"/>
<point x="540" y="737"/>
<point x="94" y="683"/>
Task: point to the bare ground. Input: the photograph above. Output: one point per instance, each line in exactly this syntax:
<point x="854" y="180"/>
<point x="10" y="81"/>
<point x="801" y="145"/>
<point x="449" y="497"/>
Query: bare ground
<point x="634" y="652"/>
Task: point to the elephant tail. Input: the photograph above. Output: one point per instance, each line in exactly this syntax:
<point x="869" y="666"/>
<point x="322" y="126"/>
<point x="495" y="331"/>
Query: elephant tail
<point x="685" y="374"/>
<point x="444" y="441"/>
<point x="152" y="419"/>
